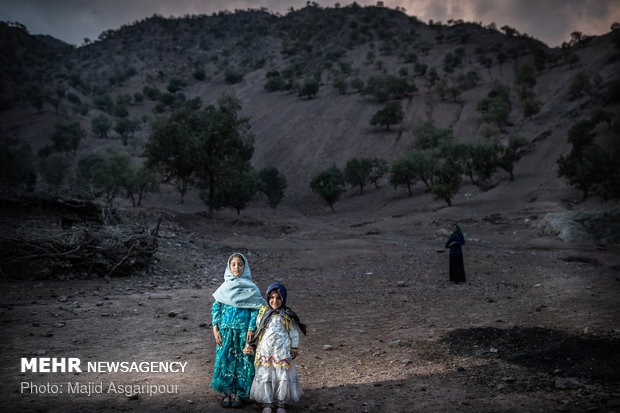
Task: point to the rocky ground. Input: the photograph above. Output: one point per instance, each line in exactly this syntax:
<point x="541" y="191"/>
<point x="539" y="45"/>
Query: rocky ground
<point x="534" y="329"/>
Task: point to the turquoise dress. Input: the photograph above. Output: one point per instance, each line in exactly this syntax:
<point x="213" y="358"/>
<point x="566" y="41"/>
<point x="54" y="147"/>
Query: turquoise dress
<point x="233" y="371"/>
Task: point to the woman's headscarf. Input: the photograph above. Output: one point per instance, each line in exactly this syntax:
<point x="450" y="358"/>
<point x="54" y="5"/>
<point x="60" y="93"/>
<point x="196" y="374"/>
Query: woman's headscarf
<point x="270" y="311"/>
<point x="454" y="235"/>
<point x="239" y="291"/>
<point x="280" y="289"/>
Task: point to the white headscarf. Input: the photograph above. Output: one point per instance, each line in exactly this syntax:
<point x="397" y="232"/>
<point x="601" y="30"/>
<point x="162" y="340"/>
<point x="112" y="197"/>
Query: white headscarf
<point x="239" y="291"/>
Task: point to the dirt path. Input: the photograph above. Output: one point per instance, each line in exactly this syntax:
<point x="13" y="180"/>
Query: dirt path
<point x="535" y="328"/>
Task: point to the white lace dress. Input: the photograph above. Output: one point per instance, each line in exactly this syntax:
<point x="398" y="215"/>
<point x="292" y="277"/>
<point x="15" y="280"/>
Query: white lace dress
<point x="276" y="378"/>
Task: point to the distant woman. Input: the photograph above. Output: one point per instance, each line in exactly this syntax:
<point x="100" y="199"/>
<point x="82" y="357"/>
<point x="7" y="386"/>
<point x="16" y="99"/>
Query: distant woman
<point x="457" y="269"/>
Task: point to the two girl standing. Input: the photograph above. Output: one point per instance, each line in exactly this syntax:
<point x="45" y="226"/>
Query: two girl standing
<point x="242" y="319"/>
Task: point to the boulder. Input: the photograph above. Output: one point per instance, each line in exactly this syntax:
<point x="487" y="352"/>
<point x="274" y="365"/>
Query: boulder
<point x="583" y="227"/>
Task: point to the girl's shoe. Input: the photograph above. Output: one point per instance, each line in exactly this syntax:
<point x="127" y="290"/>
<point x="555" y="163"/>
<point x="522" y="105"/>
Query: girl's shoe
<point x="226" y="402"/>
<point x="267" y="409"/>
<point x="237" y="403"/>
<point x="281" y="410"/>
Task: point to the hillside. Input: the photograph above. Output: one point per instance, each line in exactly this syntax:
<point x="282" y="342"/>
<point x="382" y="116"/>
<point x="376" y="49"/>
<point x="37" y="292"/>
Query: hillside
<point x="303" y="136"/>
<point x="533" y="328"/>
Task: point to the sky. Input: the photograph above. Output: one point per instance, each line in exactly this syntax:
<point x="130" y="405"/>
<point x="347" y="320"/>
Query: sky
<point x="551" y="21"/>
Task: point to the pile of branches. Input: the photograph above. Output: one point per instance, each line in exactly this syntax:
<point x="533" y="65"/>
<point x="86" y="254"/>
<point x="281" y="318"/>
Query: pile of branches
<point x="51" y="238"/>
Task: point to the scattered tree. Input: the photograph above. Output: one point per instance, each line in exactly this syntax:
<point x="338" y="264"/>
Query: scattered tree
<point x="357" y="172"/>
<point x="379" y="169"/>
<point x="310" y="88"/>
<point x="391" y="114"/>
<point x="329" y="184"/>
<point x="272" y="183"/>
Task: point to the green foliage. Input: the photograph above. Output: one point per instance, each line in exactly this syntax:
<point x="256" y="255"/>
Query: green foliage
<point x="103" y="175"/>
<point x="379" y="169"/>
<point x="588" y="165"/>
<point x="429" y="136"/>
<point x="16" y="165"/>
<point x="357" y="172"/>
<point x="480" y="161"/>
<point x="101" y="125"/>
<point x="233" y="76"/>
<point x="199" y="74"/>
<point x="531" y="106"/>
<point x="152" y="92"/>
<point x="329" y="184"/>
<point x="495" y="108"/>
<point x="126" y="129"/>
<point x="103" y="102"/>
<point x="140" y="182"/>
<point x="357" y="84"/>
<point x="447" y="180"/>
<point x="416" y="165"/>
<point x="239" y="190"/>
<point x="274" y="84"/>
<point x="206" y="147"/>
<point x="53" y="169"/>
<point x="175" y="85"/>
<point x="391" y="114"/>
<point x="579" y="86"/>
<point x="511" y="154"/>
<point x="310" y="88"/>
<point x="387" y="87"/>
<point x="526" y="76"/>
<point x="340" y="84"/>
<point x="272" y="183"/>
<point x="403" y="173"/>
<point x="67" y="137"/>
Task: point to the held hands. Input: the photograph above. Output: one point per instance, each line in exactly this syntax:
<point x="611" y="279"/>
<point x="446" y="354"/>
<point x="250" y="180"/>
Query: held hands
<point x="217" y="335"/>
<point x="249" y="336"/>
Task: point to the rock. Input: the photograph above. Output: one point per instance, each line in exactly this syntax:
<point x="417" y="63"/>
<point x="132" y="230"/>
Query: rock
<point x="63" y="298"/>
<point x="586" y="227"/>
<point x="40" y="352"/>
<point x="395" y="343"/>
<point x="59" y="324"/>
<point x="401" y="284"/>
<point x="557" y="371"/>
<point x="133" y="396"/>
<point x="406" y="361"/>
<point x="174" y="313"/>
<point x="508" y="379"/>
<point x="327" y="347"/>
<point x="567" y="383"/>
<point x="99" y="303"/>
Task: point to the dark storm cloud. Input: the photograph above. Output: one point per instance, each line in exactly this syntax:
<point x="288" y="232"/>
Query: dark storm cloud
<point x="551" y="21"/>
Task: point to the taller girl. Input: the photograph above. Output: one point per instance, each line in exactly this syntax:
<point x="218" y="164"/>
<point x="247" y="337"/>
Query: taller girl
<point x="234" y="313"/>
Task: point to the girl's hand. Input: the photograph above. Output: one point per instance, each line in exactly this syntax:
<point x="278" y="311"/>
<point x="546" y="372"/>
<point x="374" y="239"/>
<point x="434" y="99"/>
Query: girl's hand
<point x="217" y="335"/>
<point x="249" y="336"/>
<point x="293" y="356"/>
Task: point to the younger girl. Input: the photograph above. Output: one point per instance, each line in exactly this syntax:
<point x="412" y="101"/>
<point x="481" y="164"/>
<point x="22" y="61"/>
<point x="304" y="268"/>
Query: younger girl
<point x="277" y="340"/>
<point x="234" y="312"/>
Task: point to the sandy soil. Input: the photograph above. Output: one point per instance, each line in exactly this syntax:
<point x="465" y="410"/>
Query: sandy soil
<point x="535" y="328"/>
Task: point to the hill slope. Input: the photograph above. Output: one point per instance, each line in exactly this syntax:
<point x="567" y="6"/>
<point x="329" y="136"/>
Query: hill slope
<point x="201" y="54"/>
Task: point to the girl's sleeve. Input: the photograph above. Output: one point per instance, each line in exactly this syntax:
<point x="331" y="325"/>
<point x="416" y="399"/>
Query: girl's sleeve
<point x="252" y="325"/>
<point x="216" y="313"/>
<point x="294" y="334"/>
